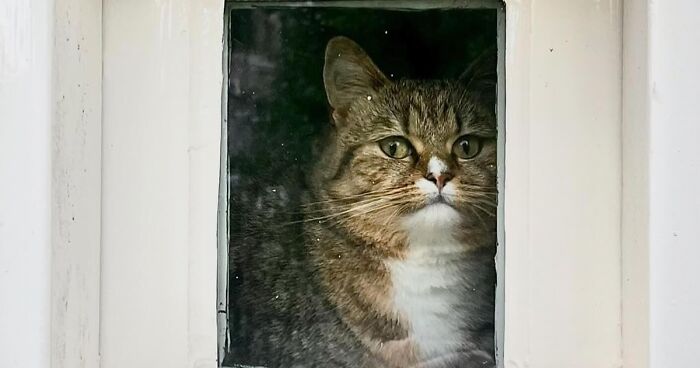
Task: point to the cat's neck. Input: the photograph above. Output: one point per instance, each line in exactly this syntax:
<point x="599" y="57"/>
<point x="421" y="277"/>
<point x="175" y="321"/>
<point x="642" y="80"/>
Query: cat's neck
<point x="428" y="285"/>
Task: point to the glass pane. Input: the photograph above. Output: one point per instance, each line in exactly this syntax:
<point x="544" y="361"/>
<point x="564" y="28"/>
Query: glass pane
<point x="362" y="171"/>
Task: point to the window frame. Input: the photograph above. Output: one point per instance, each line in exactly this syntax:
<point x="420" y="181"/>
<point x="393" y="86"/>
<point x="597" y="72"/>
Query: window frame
<point x="532" y="29"/>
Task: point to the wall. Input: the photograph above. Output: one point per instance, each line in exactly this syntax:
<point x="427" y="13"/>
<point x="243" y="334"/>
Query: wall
<point x="25" y="182"/>
<point x="674" y="172"/>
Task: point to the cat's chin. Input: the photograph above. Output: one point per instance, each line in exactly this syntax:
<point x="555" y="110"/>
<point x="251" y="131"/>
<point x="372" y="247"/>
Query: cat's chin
<point x="437" y="214"/>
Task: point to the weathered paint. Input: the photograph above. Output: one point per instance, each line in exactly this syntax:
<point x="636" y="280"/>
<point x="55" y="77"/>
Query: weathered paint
<point x="76" y="184"/>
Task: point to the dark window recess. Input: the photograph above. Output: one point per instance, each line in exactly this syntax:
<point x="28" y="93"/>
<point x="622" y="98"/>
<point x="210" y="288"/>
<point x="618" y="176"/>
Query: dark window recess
<point x="362" y="206"/>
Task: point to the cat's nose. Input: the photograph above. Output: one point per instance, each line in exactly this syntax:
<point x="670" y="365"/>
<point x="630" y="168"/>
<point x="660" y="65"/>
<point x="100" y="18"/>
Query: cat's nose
<point x="439" y="179"/>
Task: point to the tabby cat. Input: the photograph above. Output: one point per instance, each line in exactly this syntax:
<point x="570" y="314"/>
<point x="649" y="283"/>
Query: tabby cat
<point x="395" y="265"/>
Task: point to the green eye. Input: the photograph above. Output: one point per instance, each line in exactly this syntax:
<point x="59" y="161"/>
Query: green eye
<point x="467" y="146"/>
<point x="395" y="147"/>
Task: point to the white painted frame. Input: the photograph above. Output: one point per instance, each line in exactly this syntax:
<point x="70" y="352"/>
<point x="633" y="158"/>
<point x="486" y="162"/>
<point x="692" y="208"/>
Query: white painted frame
<point x="158" y="161"/>
<point x="635" y="199"/>
<point x="76" y="184"/>
<point x="160" y="171"/>
<point x="563" y="120"/>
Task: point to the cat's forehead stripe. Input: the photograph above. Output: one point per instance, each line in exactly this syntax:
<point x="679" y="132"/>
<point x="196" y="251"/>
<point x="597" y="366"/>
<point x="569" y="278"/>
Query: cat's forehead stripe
<point x="430" y="114"/>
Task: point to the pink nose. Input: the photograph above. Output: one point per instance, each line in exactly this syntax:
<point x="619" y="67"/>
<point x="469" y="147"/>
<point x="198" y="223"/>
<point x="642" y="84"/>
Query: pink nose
<point x="439" y="180"/>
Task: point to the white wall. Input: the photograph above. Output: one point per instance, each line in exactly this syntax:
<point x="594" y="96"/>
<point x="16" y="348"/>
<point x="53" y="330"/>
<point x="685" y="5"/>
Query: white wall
<point x="674" y="87"/>
<point x="25" y="181"/>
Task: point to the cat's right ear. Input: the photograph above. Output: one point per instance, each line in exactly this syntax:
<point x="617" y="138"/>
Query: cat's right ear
<point x="481" y="77"/>
<point x="349" y="74"/>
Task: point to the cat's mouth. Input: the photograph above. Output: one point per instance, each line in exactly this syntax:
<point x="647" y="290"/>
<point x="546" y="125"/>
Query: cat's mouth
<point x="437" y="200"/>
<point x="436" y="213"/>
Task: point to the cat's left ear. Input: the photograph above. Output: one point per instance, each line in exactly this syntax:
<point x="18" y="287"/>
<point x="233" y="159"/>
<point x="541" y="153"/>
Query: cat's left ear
<point x="349" y="74"/>
<point x="481" y="77"/>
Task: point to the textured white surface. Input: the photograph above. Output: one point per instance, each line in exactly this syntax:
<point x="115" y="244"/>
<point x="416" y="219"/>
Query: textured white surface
<point x="562" y="184"/>
<point x="76" y="184"/>
<point x="562" y="209"/>
<point x="162" y="119"/>
<point x="635" y="187"/>
<point x="25" y="184"/>
<point x="674" y="172"/>
<point x="562" y="192"/>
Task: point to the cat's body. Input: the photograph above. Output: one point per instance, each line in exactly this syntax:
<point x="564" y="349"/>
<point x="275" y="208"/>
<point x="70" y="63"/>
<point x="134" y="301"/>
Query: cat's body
<point x="395" y="268"/>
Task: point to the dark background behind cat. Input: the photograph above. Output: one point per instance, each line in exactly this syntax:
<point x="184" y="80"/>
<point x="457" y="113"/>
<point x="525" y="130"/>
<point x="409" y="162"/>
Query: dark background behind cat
<point x="278" y="107"/>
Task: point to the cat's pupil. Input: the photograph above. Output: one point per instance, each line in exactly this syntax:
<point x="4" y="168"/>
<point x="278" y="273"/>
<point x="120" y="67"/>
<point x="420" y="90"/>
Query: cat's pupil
<point x="392" y="148"/>
<point x="465" y="146"/>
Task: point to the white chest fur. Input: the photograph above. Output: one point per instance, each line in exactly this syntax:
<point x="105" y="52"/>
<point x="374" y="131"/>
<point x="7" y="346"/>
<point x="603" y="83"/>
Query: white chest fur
<point x="428" y="285"/>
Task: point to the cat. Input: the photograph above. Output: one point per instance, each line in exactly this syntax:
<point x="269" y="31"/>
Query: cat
<point x="395" y="263"/>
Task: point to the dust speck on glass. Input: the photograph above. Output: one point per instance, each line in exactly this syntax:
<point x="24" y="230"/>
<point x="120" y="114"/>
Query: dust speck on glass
<point x="362" y="189"/>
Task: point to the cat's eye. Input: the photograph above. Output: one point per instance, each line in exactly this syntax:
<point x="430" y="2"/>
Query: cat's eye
<point x="396" y="147"/>
<point x="467" y="146"/>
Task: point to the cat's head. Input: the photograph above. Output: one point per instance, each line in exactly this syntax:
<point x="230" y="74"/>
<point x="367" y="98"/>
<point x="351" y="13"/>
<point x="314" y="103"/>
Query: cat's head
<point x="406" y="147"/>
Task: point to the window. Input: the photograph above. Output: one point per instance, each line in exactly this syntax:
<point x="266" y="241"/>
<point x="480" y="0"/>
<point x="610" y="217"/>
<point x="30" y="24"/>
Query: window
<point x="153" y="165"/>
<point x="355" y="184"/>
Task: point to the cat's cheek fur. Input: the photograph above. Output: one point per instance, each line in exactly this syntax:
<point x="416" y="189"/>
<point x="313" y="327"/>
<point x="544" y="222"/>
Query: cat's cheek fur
<point x="449" y="192"/>
<point x="427" y="187"/>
